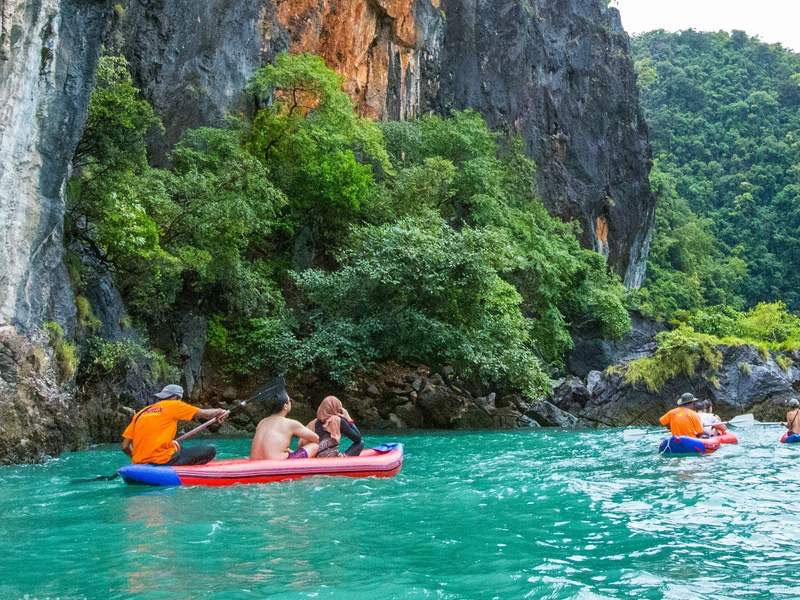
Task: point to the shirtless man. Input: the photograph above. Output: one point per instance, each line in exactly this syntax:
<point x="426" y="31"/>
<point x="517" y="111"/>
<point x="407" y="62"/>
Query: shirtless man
<point x="275" y="432"/>
<point x="793" y="416"/>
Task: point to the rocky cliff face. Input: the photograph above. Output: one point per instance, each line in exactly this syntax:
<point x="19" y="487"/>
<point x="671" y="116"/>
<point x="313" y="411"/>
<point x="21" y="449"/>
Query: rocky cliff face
<point x="747" y="381"/>
<point x="556" y="72"/>
<point x="48" y="50"/>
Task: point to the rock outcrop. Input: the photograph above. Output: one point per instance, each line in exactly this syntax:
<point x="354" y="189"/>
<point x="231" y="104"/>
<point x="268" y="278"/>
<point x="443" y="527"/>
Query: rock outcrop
<point x="48" y="50"/>
<point x="556" y="72"/>
<point x="397" y="398"/>
<point x="746" y="382"/>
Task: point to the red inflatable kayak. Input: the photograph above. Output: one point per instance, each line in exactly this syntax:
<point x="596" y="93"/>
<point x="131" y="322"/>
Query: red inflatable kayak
<point x="726" y="438"/>
<point x="383" y="461"/>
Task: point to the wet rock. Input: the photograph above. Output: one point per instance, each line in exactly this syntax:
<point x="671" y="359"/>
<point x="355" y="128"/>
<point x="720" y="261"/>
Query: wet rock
<point x="440" y="406"/>
<point x="593" y="353"/>
<point x="192" y="331"/>
<point x="411" y="415"/>
<point x="549" y="415"/>
<point x="473" y="417"/>
<point x="396" y="422"/>
<point x="506" y="418"/>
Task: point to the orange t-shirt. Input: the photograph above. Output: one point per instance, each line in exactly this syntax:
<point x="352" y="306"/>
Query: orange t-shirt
<point x="682" y="421"/>
<point x="153" y="430"/>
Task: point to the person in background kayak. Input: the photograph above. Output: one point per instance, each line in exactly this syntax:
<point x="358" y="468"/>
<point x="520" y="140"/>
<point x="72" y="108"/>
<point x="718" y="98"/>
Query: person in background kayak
<point x="793" y="416"/>
<point x="712" y="424"/>
<point x="683" y="420"/>
<point x="274" y="434"/>
<point x="150" y="436"/>
<point x="332" y="422"/>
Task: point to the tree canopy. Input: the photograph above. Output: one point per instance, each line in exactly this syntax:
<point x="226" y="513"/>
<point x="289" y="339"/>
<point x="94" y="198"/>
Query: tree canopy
<point x="311" y="238"/>
<point x="724" y="116"/>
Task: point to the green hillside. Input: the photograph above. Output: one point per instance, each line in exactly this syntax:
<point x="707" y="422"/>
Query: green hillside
<point x="724" y="115"/>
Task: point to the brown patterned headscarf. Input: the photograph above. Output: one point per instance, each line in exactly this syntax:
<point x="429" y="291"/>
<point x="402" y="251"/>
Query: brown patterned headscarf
<point x="329" y="414"/>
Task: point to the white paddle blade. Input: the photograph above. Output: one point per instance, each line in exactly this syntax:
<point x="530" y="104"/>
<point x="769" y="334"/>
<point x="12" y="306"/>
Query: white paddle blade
<point x="631" y="435"/>
<point x="743" y="421"/>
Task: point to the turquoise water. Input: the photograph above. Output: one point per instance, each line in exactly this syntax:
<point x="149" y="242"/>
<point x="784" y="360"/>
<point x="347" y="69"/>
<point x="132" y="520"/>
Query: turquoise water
<point x="528" y="514"/>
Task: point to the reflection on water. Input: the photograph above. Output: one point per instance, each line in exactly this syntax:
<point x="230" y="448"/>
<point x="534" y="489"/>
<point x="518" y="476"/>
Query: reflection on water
<point x="493" y="515"/>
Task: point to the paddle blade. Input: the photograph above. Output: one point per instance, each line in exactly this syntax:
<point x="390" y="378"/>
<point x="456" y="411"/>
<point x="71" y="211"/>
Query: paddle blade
<point x="747" y="420"/>
<point x="274" y="388"/>
<point x="631" y="435"/>
<point x="100" y="478"/>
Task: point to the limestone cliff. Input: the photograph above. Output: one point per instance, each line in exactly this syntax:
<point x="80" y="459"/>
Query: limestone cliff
<point x="557" y="72"/>
<point x="48" y="50"/>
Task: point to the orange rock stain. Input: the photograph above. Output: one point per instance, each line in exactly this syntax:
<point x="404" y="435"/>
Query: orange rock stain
<point x="360" y="39"/>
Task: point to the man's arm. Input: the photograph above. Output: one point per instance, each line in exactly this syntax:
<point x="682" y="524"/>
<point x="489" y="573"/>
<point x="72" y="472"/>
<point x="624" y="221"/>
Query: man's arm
<point x="211" y="413"/>
<point x="304" y="433"/>
<point x="127" y="446"/>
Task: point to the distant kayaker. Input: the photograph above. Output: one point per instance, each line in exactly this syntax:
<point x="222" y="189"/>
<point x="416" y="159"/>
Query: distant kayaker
<point x="712" y="424"/>
<point x="150" y="436"/>
<point x="683" y="420"/>
<point x="274" y="434"/>
<point x="332" y="422"/>
<point x="793" y="416"/>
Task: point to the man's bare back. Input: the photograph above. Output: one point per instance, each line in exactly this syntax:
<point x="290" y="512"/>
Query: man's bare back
<point x="793" y="420"/>
<point x="274" y="435"/>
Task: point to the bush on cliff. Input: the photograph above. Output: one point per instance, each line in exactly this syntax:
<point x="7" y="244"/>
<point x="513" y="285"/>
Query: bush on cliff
<point x="420" y="291"/>
<point x="314" y="239"/>
<point x="680" y="352"/>
<point x="699" y="336"/>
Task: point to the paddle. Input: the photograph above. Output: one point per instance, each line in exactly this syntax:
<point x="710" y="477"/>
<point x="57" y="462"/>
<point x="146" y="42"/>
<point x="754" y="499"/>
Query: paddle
<point x="275" y="387"/>
<point x="200" y="428"/>
<point x="630" y="435"/>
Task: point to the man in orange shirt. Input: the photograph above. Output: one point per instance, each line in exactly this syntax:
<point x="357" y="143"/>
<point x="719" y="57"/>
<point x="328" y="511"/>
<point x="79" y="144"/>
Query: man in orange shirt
<point x="149" y="438"/>
<point x="683" y="420"/>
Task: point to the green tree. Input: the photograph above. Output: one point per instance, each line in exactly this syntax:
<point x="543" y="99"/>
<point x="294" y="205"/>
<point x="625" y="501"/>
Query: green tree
<point x="318" y="151"/>
<point x="724" y="115"/>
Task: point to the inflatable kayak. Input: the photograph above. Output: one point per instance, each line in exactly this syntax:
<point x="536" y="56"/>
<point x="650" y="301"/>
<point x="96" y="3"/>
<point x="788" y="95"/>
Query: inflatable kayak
<point x="383" y="461"/>
<point x="787" y="438"/>
<point x="726" y="438"/>
<point x="688" y="446"/>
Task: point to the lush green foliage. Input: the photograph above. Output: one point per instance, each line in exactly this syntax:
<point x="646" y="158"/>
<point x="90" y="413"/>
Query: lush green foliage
<point x="679" y="352"/>
<point x="419" y="290"/>
<point x="308" y="136"/>
<point x="687" y="267"/>
<point x="724" y="114"/>
<point x="106" y="358"/>
<point x="699" y="334"/>
<point x="314" y="239"/>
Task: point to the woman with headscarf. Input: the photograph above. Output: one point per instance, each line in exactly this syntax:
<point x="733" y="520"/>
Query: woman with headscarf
<point x="333" y="422"/>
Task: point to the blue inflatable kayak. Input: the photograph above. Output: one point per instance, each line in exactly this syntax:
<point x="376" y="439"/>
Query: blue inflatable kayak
<point x="688" y="446"/>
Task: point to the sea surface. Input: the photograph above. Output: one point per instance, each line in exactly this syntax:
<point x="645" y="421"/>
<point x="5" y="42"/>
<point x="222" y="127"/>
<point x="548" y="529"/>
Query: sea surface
<point x="527" y="514"/>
